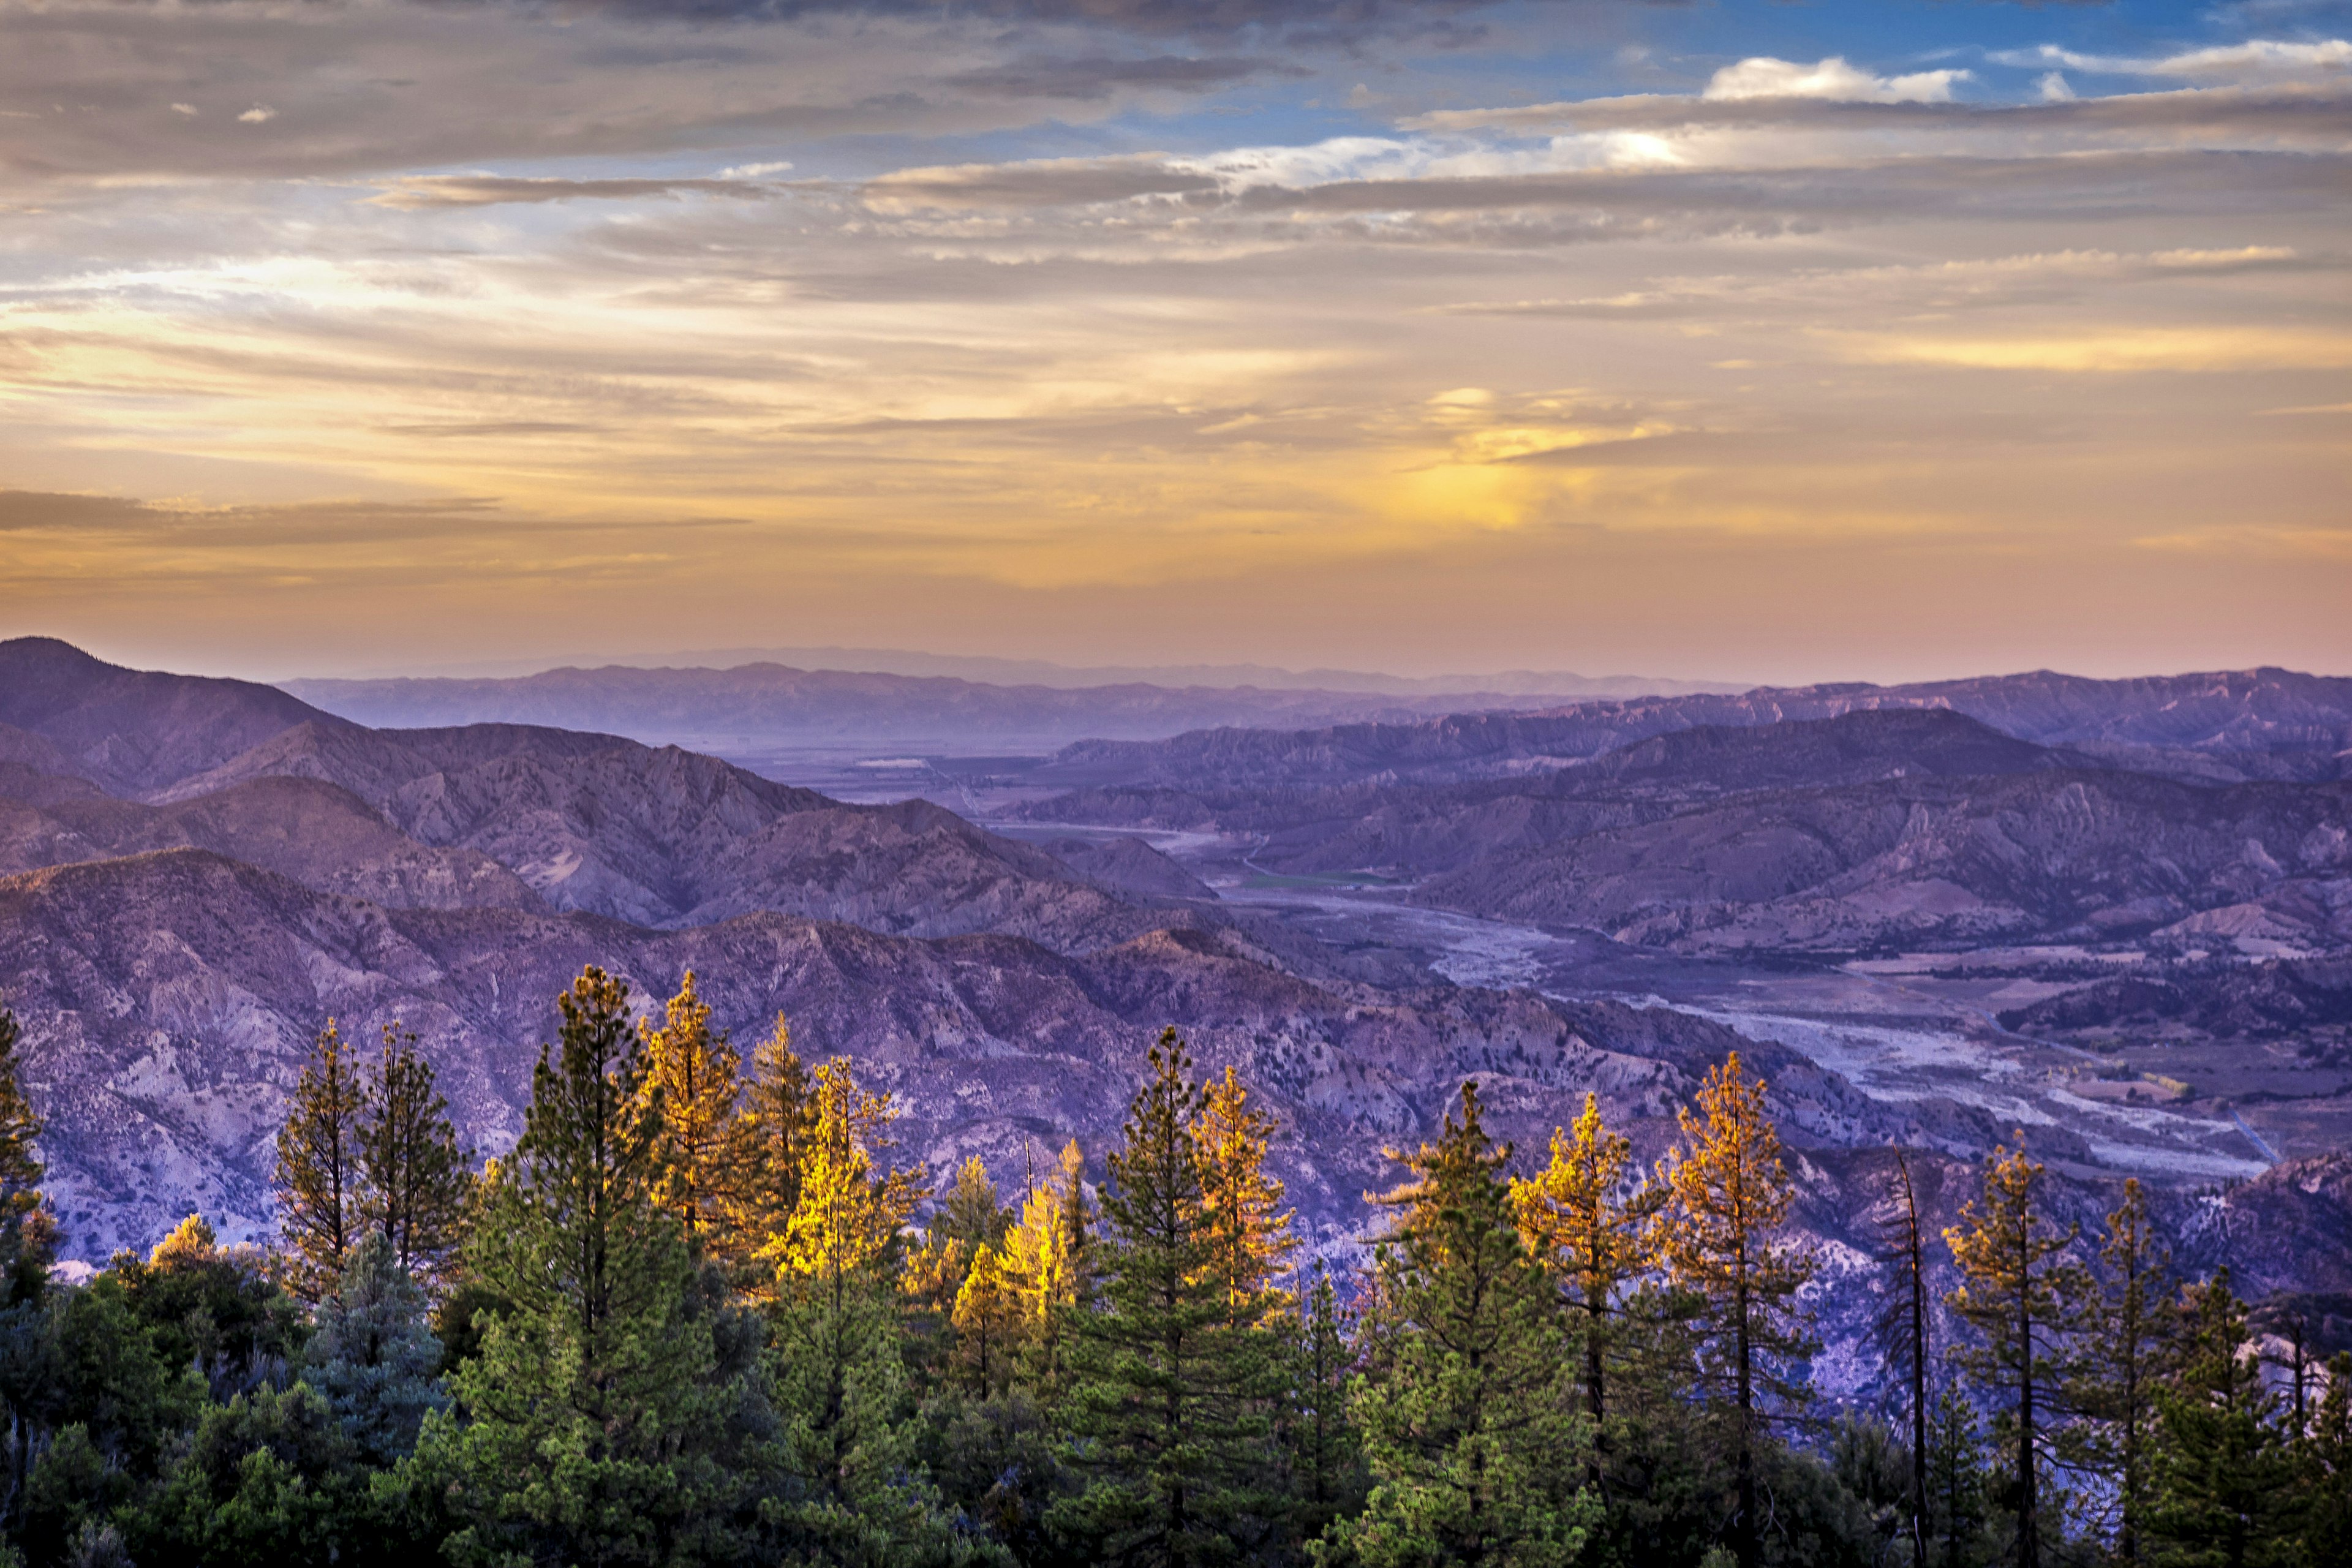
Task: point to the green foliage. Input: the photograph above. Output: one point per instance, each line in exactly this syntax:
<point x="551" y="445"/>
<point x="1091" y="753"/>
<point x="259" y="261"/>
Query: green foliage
<point x="807" y="1379"/>
<point x="317" y="1174"/>
<point x="214" y="1307"/>
<point x="374" y="1358"/>
<point x="1167" y="1407"/>
<point x="266" y="1480"/>
<point x="2224" y="1474"/>
<point x="1470" y="1410"/>
<point x="598" y="1427"/>
<point x="417" y="1184"/>
<point x="2021" y="1293"/>
<point x="1322" y="1452"/>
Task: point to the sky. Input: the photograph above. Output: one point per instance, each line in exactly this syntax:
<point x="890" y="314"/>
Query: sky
<point x="1857" y="339"/>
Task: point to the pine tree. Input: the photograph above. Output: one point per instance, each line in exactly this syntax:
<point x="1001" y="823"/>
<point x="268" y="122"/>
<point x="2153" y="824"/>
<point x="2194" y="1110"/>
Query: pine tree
<point x="1955" y="1481"/>
<point x="416" y="1189"/>
<point x="1468" y="1401"/>
<point x="1321" y="1450"/>
<point x="1163" y="1408"/>
<point x="2127" y="1353"/>
<point x="28" y="1231"/>
<point x="2326" y="1522"/>
<point x="840" y="1373"/>
<point x="2018" y="1292"/>
<point x="319" y="1179"/>
<point x="598" y="1425"/>
<point x="2224" y="1474"/>
<point x="1044" y="1255"/>
<point x="1903" y="1333"/>
<point x="697" y="1078"/>
<point x="1731" y="1196"/>
<point x="372" y="1356"/>
<point x="1595" y="1237"/>
<point x="988" y="1323"/>
<point x="778" y="1119"/>
<point x="1248" y="1230"/>
<point x="969" y="1211"/>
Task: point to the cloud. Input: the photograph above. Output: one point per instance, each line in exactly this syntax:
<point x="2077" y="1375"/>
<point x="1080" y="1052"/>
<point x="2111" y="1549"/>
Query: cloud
<point x="187" y="109"/>
<point x="2256" y="60"/>
<point x="1047" y="183"/>
<point x="1099" y="76"/>
<point x="2194" y="349"/>
<point x="418" y="191"/>
<point x="1831" y="79"/>
<point x="259" y="114"/>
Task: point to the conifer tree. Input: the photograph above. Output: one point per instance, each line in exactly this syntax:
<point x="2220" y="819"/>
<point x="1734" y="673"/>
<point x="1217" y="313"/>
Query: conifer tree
<point x="777" y="1118"/>
<point x="2018" y="1292"/>
<point x="1321" y="1450"/>
<point x="2326" y="1515"/>
<point x="2224" y="1474"/>
<point x="841" y="1376"/>
<point x="1164" y="1408"/>
<point x="28" y="1231"/>
<point x="987" y="1323"/>
<point x="1248" y="1230"/>
<point x="1731" y="1196"/>
<point x="1594" y="1237"/>
<point x="1903" y="1333"/>
<point x="417" y="1188"/>
<point x="969" y="1210"/>
<point x="697" y="1077"/>
<point x="1044" y="1256"/>
<point x="318" y="1176"/>
<point x="2127" y="1339"/>
<point x="1467" y="1401"/>
<point x="597" y="1421"/>
<point x="1955" y="1481"/>
<point x="372" y="1356"/>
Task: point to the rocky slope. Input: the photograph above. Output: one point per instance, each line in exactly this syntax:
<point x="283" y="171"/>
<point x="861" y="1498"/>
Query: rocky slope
<point x="497" y="815"/>
<point x="168" y="997"/>
<point x="2057" y="855"/>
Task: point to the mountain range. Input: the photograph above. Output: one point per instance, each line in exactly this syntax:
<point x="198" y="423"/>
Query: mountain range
<point x="195" y="875"/>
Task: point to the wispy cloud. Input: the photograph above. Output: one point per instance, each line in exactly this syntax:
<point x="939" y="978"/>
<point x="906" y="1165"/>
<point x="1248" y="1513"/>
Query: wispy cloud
<point x="1831" y="79"/>
<point x="417" y="191"/>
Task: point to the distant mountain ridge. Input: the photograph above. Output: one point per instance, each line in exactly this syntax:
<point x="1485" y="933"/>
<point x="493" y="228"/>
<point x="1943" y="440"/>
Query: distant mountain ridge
<point x="762" y="706"/>
<point x="2227" y="725"/>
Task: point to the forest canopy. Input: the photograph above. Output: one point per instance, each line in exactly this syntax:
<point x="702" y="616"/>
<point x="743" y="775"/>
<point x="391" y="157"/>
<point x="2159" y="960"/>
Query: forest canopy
<point x="703" y="1313"/>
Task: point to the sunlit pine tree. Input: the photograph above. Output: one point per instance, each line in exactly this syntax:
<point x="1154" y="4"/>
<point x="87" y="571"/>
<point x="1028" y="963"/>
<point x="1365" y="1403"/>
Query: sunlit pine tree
<point x="1045" y="1254"/>
<point x="988" y="1323"/>
<point x="318" y="1172"/>
<point x="839" y="1368"/>
<point x="598" y="1421"/>
<point x="1723" y="1244"/>
<point x="697" y="1078"/>
<point x="777" y="1120"/>
<point x="1248" y="1230"/>
<point x="2020" y="1293"/>
<point x="1594" y="1230"/>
